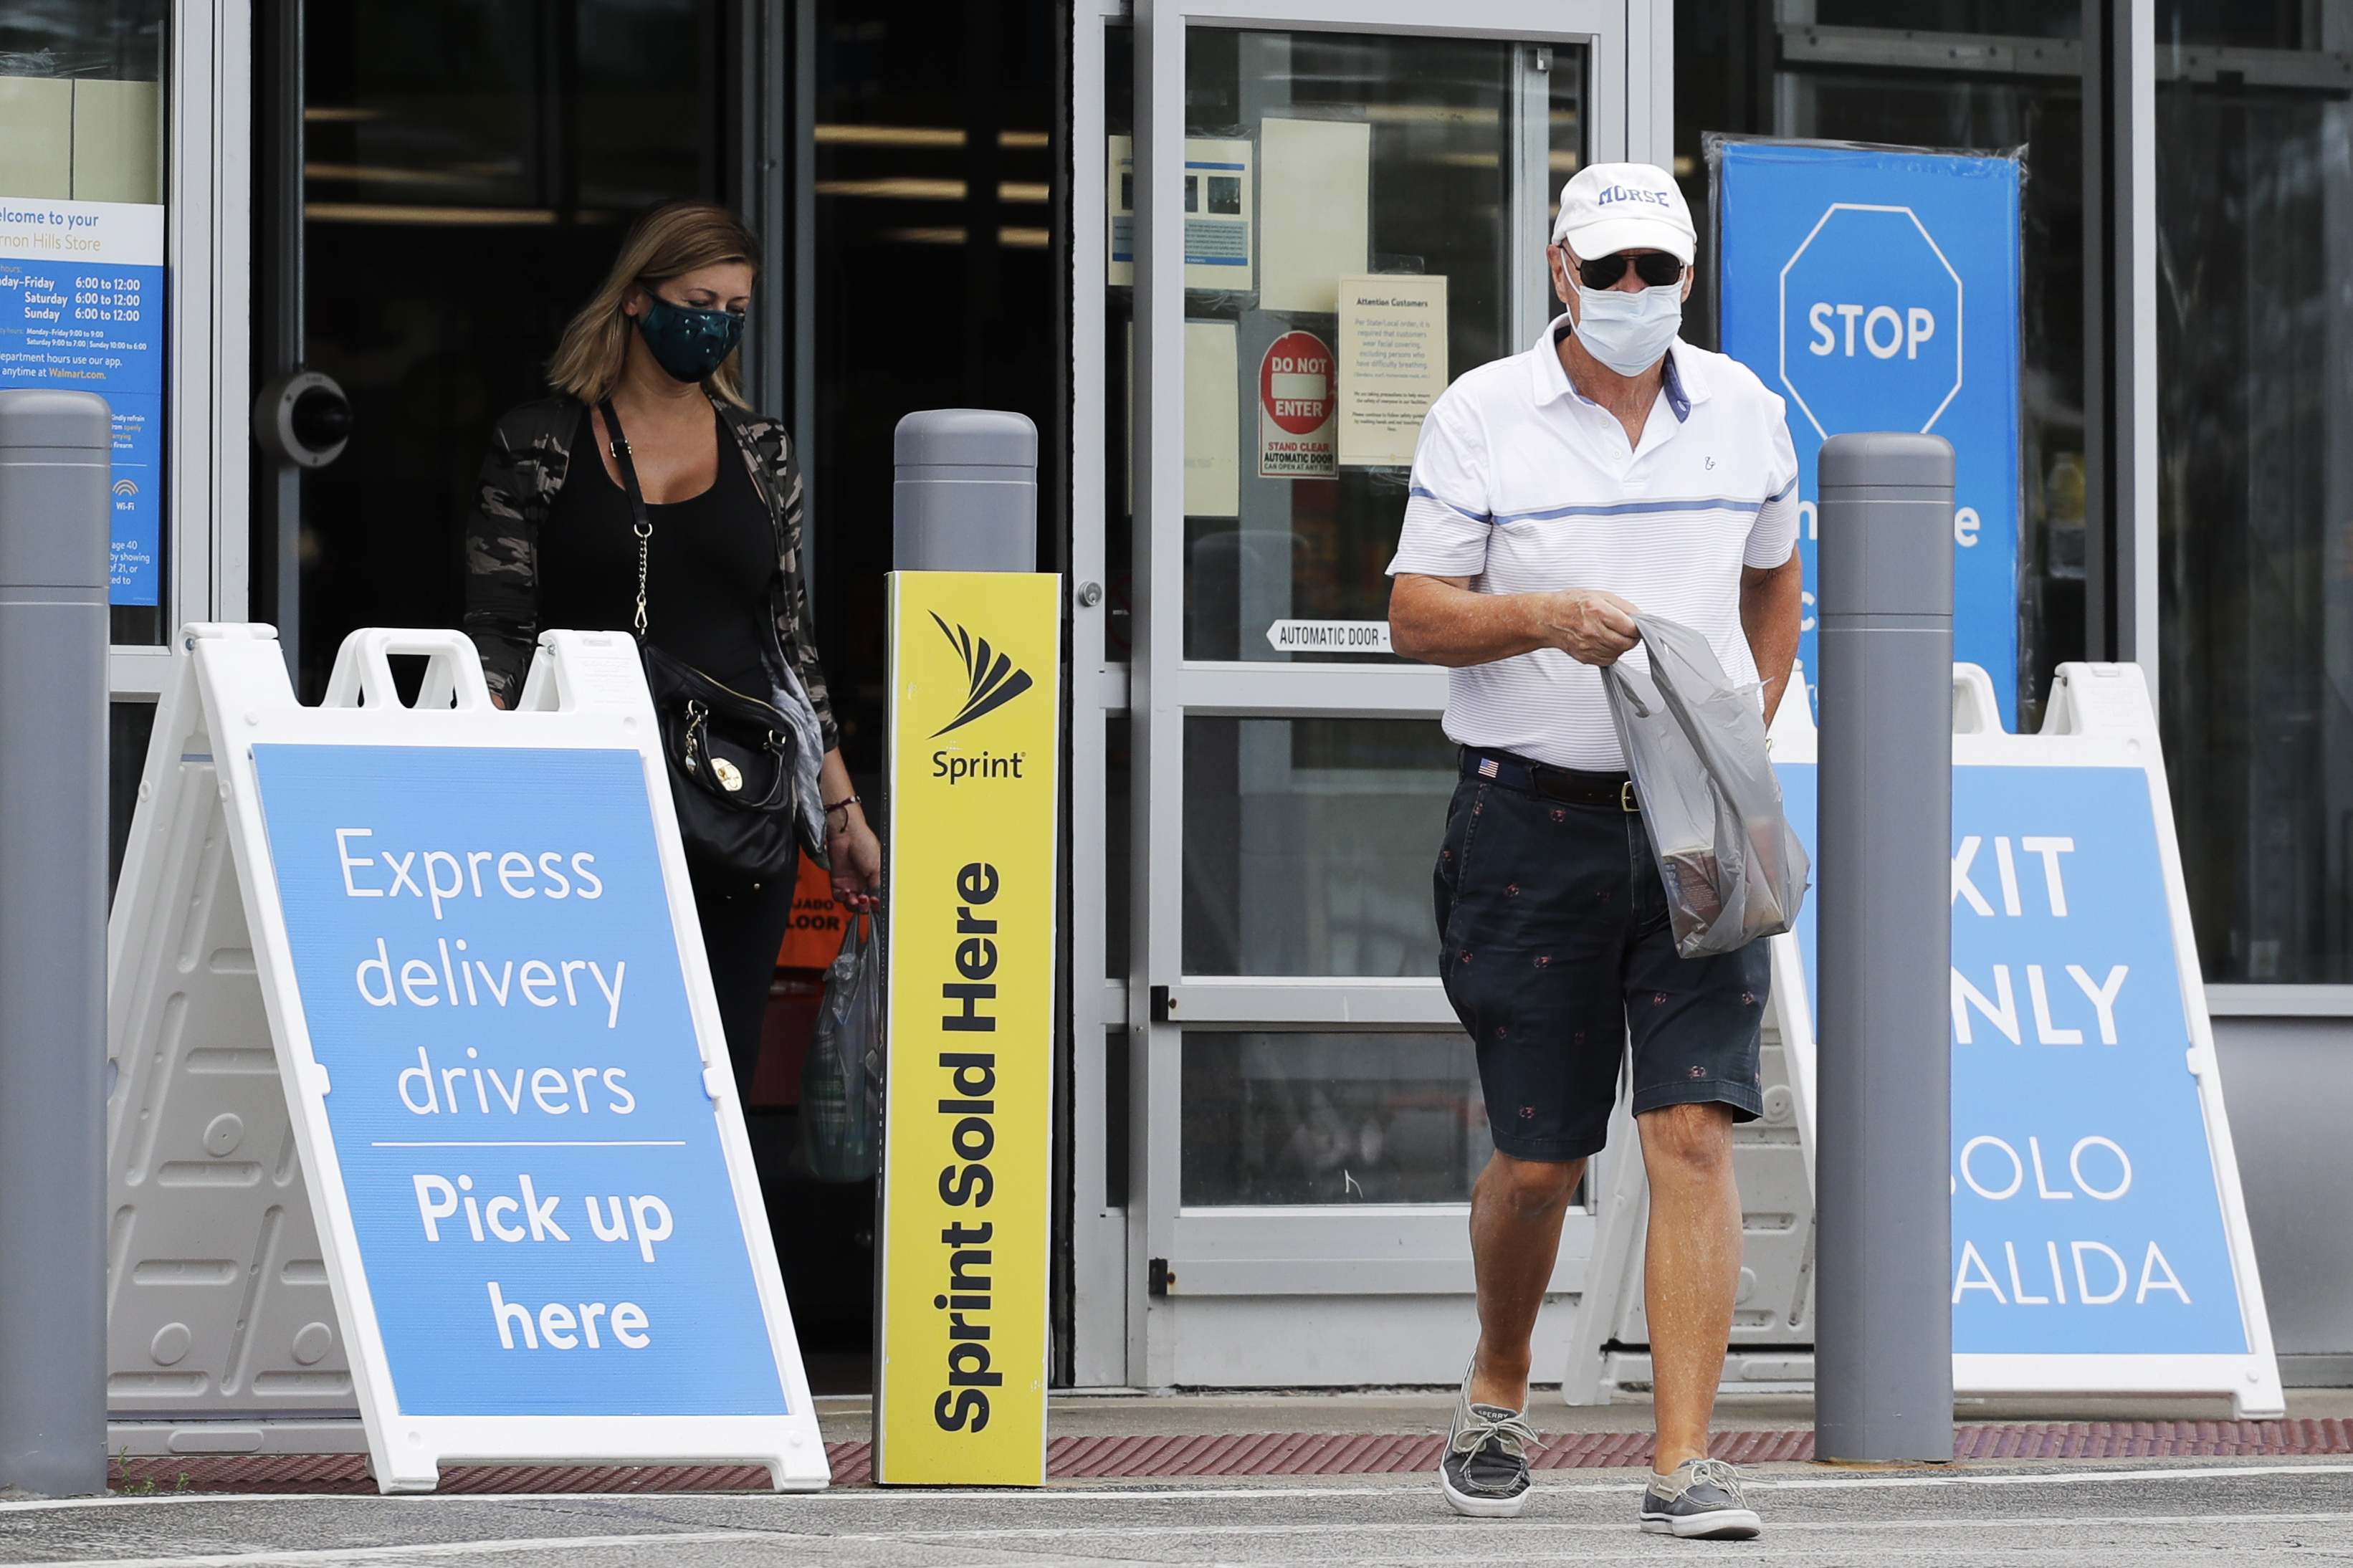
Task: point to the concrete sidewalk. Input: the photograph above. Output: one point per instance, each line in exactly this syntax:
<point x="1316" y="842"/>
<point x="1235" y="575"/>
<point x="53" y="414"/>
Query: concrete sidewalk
<point x="2137" y="1512"/>
<point x="2211" y="1514"/>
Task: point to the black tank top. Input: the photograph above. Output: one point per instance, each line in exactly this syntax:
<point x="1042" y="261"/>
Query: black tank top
<point x="709" y="568"/>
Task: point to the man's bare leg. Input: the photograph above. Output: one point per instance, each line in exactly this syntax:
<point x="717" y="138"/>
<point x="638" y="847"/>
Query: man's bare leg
<point x="1515" y="1214"/>
<point x="1690" y="1272"/>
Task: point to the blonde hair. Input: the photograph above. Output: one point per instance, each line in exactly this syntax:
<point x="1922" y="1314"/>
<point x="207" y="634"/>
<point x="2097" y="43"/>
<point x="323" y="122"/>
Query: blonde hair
<point x="667" y="242"/>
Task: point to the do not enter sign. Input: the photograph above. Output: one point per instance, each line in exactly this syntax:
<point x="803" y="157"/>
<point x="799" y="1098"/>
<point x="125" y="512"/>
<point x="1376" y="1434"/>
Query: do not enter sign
<point x="1295" y="399"/>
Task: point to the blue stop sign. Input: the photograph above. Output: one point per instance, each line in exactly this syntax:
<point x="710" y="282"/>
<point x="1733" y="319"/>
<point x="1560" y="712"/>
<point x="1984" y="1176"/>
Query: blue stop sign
<point x="1871" y="322"/>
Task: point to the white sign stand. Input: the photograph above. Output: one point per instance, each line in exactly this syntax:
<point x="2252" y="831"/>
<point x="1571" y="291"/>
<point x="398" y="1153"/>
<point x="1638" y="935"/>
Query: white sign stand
<point x="2099" y="722"/>
<point x="275" y="1265"/>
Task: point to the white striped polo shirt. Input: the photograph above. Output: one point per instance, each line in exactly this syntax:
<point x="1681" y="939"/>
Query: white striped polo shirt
<point x="1521" y="484"/>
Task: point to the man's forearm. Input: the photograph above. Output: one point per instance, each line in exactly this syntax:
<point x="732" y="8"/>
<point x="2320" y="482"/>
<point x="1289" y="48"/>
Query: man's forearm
<point x="1440" y="622"/>
<point x="1771" y="612"/>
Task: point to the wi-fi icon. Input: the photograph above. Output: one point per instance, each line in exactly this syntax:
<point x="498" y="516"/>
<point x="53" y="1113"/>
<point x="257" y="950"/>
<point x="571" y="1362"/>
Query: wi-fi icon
<point x="125" y="488"/>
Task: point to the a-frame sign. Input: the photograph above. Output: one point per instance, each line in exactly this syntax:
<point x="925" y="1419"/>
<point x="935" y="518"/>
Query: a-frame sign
<point x="2100" y="1237"/>
<point x="420" y="1104"/>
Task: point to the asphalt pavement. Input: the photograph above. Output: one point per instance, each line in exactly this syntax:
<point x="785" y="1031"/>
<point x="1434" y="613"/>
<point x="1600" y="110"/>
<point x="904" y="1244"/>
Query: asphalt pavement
<point x="2220" y="1513"/>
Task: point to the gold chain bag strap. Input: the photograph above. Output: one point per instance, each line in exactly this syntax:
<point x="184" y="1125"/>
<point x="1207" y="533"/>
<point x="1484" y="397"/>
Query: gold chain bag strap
<point x="731" y="755"/>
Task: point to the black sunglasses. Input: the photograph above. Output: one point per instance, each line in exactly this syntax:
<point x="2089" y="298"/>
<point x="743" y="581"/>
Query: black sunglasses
<point x="1656" y="268"/>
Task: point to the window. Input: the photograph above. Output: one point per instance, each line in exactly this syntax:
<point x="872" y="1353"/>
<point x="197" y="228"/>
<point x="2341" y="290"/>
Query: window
<point x="2254" y="207"/>
<point x="1862" y="70"/>
<point x="81" y="147"/>
<point x="1331" y="1119"/>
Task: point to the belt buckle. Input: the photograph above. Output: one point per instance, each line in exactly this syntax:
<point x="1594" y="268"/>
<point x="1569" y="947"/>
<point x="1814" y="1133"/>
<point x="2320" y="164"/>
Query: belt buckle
<point x="1626" y="801"/>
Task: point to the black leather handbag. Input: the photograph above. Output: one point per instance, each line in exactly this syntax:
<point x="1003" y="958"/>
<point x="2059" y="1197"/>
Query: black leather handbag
<point x="732" y="756"/>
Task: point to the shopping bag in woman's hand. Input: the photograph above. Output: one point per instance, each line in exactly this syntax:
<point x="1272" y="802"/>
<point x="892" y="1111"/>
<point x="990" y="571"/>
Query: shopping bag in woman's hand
<point x="1733" y="869"/>
<point x="841" y="1078"/>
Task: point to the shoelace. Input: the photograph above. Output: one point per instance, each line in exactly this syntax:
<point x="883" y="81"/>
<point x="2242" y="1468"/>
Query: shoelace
<point x="1717" y="1471"/>
<point x="1473" y="1430"/>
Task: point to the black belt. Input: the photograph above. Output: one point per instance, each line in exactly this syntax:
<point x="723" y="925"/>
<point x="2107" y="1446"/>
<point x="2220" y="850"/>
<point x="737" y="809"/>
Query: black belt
<point x="1565" y="784"/>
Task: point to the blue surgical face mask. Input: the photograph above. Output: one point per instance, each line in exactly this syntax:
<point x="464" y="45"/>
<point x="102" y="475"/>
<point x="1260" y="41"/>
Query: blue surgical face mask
<point x="687" y="342"/>
<point x="1629" y="332"/>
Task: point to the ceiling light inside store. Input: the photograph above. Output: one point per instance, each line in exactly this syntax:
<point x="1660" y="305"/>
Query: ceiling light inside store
<point x="369" y="212"/>
<point x="905" y="189"/>
<point x="367" y="174"/>
<point x="920" y="136"/>
<point x="1009" y="238"/>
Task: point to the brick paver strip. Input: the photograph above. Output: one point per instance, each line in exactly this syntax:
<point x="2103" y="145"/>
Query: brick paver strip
<point x="1249" y="1453"/>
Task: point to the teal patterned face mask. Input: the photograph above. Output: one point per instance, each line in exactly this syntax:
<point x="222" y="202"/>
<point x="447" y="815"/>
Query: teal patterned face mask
<point x="687" y="342"/>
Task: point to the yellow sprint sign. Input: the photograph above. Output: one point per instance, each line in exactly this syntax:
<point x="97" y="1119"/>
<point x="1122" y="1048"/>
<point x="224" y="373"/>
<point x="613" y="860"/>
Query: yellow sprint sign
<point x="974" y="723"/>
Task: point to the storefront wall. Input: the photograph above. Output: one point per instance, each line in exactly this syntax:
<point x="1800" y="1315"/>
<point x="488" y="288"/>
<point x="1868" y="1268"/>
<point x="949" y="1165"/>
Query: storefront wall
<point x="2226" y="382"/>
<point x="135" y="111"/>
<point x="1270" y="1121"/>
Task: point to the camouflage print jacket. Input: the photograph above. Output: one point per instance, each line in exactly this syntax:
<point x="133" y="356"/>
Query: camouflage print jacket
<point x="521" y="478"/>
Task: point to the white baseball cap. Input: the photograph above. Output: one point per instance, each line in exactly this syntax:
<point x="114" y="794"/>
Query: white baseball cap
<point x="1608" y="207"/>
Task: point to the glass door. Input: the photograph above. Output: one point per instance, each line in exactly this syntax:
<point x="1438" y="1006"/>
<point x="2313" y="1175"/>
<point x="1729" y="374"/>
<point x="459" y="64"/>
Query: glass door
<point x="1325" y="213"/>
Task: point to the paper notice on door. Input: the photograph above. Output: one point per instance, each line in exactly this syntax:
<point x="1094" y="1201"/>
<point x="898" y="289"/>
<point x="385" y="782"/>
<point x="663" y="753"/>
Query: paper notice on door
<point x="1295" y="412"/>
<point x="1218" y="214"/>
<point x="1316" y="203"/>
<point x="1119" y="200"/>
<point x="1218" y="206"/>
<point x="1213" y="469"/>
<point x="1392" y="365"/>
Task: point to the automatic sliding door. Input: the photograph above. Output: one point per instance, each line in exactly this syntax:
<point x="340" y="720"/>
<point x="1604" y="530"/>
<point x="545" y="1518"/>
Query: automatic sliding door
<point x="1337" y="210"/>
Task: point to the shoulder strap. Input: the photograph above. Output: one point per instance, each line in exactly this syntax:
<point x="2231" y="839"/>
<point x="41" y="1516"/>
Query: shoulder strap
<point x="644" y="520"/>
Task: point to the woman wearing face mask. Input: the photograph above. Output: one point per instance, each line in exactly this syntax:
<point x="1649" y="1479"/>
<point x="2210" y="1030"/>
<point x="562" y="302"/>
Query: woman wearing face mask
<point x="650" y="363"/>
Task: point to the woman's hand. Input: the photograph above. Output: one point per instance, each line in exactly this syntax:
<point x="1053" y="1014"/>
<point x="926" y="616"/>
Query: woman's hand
<point x="855" y="853"/>
<point x="857" y="858"/>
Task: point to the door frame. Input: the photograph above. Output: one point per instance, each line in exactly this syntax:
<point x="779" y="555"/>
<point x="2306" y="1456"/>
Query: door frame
<point x="207" y="254"/>
<point x="1311" y="1251"/>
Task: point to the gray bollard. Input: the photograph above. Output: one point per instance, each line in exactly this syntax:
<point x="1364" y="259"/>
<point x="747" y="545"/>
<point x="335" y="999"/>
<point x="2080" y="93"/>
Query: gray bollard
<point x="966" y="498"/>
<point x="56" y="464"/>
<point x="1883" y="1321"/>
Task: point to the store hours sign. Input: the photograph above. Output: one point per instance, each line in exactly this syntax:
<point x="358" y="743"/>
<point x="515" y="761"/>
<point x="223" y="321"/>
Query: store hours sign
<point x="81" y="308"/>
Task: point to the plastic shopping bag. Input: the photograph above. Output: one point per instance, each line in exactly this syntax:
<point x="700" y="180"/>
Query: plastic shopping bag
<point x="1733" y="869"/>
<point x="841" y="1078"/>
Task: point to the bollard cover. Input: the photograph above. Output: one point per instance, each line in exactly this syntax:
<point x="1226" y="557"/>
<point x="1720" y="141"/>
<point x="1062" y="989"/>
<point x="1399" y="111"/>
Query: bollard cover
<point x="964" y="437"/>
<point x="1886" y="458"/>
<point x="43" y="416"/>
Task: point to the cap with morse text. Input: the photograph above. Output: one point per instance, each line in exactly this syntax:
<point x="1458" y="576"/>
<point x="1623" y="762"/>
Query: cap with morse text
<point x="1608" y="207"/>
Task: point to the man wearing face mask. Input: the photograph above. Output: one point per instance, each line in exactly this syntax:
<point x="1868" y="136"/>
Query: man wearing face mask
<point x="1610" y="467"/>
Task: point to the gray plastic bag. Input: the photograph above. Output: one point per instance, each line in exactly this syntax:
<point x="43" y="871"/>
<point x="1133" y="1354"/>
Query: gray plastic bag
<point x="841" y="1077"/>
<point x="1732" y="868"/>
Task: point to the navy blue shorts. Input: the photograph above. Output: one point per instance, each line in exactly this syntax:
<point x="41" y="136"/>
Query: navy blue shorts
<point x="1556" y="952"/>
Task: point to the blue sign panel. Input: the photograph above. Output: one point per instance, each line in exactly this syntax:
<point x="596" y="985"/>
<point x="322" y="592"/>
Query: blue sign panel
<point x="483" y="945"/>
<point x="2086" y="1219"/>
<point x="1878" y="291"/>
<point x="81" y="308"/>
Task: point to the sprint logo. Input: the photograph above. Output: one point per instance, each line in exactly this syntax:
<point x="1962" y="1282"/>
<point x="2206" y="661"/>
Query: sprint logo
<point x="992" y="681"/>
